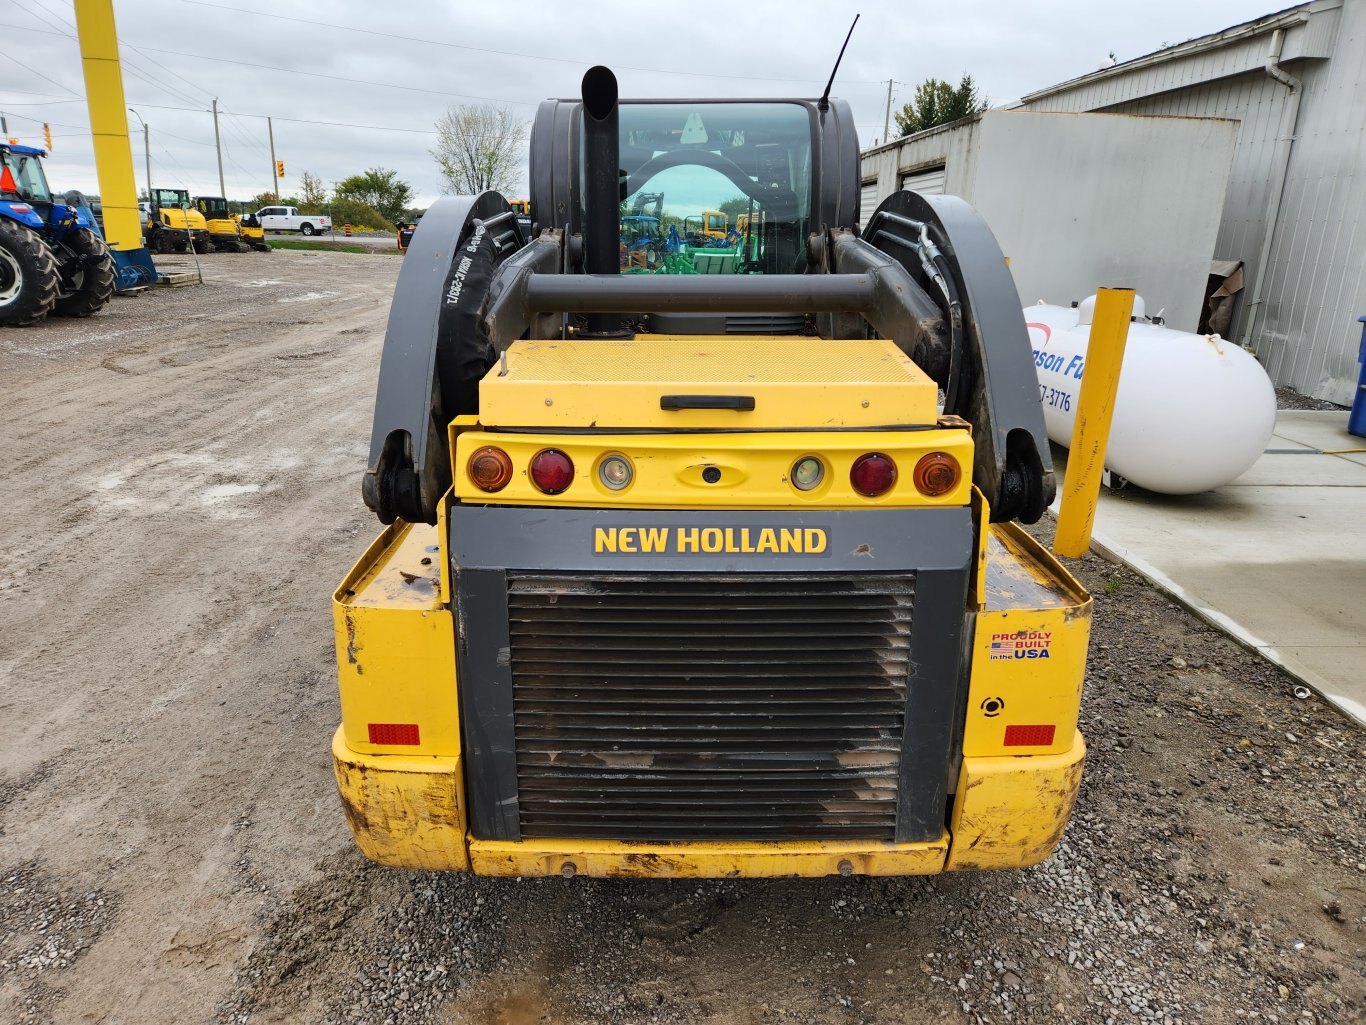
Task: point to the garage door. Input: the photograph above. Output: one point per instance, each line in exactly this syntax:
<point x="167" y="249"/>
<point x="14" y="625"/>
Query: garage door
<point x="867" y="203"/>
<point x="927" y="183"/>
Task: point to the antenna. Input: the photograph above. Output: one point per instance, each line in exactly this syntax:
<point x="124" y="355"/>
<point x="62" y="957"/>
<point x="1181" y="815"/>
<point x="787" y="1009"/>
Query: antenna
<point x="824" y="103"/>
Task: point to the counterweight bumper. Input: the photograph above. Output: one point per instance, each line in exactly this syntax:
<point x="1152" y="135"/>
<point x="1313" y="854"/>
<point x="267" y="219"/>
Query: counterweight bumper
<point x="408" y="812"/>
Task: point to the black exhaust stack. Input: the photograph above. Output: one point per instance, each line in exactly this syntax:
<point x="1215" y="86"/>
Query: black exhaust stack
<point x="602" y="186"/>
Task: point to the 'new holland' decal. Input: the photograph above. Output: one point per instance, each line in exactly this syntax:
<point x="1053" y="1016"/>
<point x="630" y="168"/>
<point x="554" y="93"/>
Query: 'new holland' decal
<point x="710" y="541"/>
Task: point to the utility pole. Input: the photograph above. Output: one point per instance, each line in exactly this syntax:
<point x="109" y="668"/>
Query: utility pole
<point x="147" y="150"/>
<point x="218" y="145"/>
<point x="274" y="181"/>
<point x="887" y="117"/>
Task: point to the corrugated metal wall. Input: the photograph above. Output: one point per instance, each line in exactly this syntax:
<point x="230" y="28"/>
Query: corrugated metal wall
<point x="1316" y="288"/>
<point x="1256" y="101"/>
<point x="1057" y="190"/>
<point x="952" y="147"/>
<point x="1306" y="332"/>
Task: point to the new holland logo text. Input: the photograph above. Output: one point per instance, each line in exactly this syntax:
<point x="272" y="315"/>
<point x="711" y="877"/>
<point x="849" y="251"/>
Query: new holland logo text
<point x="1024" y="644"/>
<point x="710" y="540"/>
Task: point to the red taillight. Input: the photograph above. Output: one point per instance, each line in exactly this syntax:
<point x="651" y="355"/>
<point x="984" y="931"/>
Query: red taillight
<point x="552" y="471"/>
<point x="1030" y="736"/>
<point x="490" y="468"/>
<point x="401" y="733"/>
<point x="936" y="474"/>
<point x="873" y="474"/>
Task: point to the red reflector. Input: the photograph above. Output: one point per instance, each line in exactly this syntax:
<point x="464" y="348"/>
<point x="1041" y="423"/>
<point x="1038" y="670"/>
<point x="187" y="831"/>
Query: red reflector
<point x="872" y="474"/>
<point x="394" y="733"/>
<point x="1027" y="736"/>
<point x="7" y="183"/>
<point x="552" y="471"/>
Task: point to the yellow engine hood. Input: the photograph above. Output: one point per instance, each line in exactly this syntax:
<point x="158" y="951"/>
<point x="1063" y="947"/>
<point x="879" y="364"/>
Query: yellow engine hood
<point x="192" y="219"/>
<point x="794" y="382"/>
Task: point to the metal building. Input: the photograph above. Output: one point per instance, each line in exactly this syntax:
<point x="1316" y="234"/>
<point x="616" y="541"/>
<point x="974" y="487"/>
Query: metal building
<point x="1294" y="211"/>
<point x="1081" y="200"/>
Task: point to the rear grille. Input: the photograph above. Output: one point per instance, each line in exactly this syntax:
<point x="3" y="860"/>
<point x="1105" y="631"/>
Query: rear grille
<point x="670" y="706"/>
<point x="765" y="323"/>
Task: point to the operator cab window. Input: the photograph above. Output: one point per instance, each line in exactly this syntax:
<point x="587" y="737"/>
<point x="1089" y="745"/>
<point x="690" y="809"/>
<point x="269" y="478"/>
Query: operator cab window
<point x="28" y="175"/>
<point x="715" y="188"/>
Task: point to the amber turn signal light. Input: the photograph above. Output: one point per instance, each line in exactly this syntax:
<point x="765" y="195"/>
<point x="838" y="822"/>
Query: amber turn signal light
<point x="937" y="474"/>
<point x="490" y="468"/>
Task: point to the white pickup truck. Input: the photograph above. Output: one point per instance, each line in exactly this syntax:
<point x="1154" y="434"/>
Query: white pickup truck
<point x="288" y="218"/>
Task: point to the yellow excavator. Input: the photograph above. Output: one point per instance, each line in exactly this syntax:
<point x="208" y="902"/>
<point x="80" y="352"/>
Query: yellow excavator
<point x="173" y="223"/>
<point x="253" y="234"/>
<point x="707" y="575"/>
<point x="225" y="234"/>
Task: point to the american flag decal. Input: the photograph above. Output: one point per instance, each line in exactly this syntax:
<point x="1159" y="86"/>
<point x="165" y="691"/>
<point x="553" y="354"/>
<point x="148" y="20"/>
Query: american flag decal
<point x="1002" y="649"/>
<point x="1023" y="644"/>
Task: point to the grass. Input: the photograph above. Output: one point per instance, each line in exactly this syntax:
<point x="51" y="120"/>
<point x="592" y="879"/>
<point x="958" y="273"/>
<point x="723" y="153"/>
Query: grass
<point x="1113" y="584"/>
<point x="333" y="247"/>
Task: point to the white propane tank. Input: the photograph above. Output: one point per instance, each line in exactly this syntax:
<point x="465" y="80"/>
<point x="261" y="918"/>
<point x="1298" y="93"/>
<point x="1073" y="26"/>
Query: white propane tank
<point x="1192" y="412"/>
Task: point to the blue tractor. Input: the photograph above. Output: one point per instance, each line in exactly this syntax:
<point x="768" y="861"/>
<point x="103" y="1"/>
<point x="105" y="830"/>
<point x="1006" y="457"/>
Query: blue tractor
<point x="52" y="258"/>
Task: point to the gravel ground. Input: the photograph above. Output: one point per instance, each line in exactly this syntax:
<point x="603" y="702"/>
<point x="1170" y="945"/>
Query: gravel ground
<point x="1213" y="873"/>
<point x="183" y="474"/>
<point x="1289" y="398"/>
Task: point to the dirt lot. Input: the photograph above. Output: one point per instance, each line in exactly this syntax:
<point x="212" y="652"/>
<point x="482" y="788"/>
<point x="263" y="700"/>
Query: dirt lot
<point x="183" y="475"/>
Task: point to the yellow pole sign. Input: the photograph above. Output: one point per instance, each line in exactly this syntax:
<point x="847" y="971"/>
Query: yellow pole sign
<point x="109" y="123"/>
<point x="1091" y="430"/>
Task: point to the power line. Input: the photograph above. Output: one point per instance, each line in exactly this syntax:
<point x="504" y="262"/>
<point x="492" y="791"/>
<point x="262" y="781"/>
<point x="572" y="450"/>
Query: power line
<point x="40" y="16"/>
<point x="339" y="78"/>
<point x="32" y="71"/>
<point x="67" y="28"/>
<point x="127" y="67"/>
<point x="272" y="67"/>
<point x="333" y="124"/>
<point x="502" y="53"/>
<point x="232" y="122"/>
<point x="81" y="129"/>
<point x="28" y="92"/>
<point x="194" y="142"/>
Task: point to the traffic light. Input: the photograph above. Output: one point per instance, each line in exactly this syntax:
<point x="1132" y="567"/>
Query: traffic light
<point x="279" y="168"/>
<point x="47" y="137"/>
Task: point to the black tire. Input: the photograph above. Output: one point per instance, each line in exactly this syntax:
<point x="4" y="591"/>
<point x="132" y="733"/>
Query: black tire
<point x="180" y="247"/>
<point x="28" y="276"/>
<point x="305" y="229"/>
<point x="90" y="282"/>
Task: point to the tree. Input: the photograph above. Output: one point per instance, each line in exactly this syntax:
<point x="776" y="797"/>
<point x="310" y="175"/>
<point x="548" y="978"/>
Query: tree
<point x="938" y="103"/>
<point x="345" y="210"/>
<point x="479" y="147"/>
<point x="734" y="207"/>
<point x="378" y="188"/>
<point x="312" y="192"/>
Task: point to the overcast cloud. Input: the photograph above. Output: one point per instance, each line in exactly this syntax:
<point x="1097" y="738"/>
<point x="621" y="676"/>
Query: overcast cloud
<point x="183" y="53"/>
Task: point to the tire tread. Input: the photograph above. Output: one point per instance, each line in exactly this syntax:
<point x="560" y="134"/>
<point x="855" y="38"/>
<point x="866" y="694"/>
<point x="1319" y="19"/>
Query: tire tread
<point x="32" y="252"/>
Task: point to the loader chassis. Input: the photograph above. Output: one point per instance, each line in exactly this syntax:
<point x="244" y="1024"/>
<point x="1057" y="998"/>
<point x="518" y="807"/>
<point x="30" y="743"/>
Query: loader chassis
<point x="52" y="257"/>
<point x="768" y="613"/>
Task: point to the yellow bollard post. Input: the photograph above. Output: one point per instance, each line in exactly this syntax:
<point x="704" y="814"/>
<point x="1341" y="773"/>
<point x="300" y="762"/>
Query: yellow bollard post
<point x="109" y="123"/>
<point x="1091" y="429"/>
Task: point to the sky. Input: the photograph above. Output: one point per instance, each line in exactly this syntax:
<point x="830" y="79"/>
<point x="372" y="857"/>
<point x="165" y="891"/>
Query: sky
<point x="354" y="84"/>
